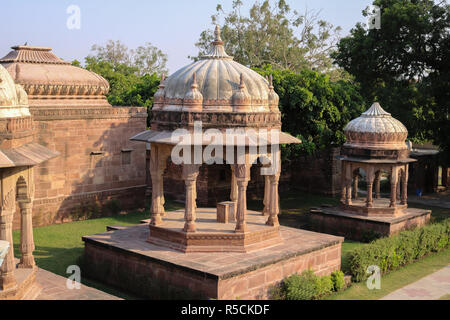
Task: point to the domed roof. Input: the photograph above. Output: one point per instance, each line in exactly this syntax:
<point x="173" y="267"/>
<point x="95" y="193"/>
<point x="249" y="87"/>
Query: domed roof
<point x="13" y="99"/>
<point x="49" y="80"/>
<point x="224" y="85"/>
<point x="376" y="129"/>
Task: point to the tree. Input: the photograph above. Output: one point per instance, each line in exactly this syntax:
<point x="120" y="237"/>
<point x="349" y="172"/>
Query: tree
<point x="404" y="65"/>
<point x="314" y="108"/>
<point x="147" y="59"/>
<point x="274" y="35"/>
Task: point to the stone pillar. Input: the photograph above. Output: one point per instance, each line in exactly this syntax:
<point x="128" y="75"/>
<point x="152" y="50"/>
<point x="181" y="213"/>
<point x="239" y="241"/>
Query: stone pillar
<point x="343" y="183"/>
<point x="377" y="184"/>
<point x="355" y="185"/>
<point x="267" y="189"/>
<point x="369" y="182"/>
<point x="26" y="235"/>
<point x="273" y="201"/>
<point x="348" y="175"/>
<point x="190" y="174"/>
<point x="399" y="179"/>
<point x="445" y="177"/>
<point x="148" y="189"/>
<point x="404" y="197"/>
<point x="234" y="190"/>
<point x="394" y="180"/>
<point x="242" y="174"/>
<point x="7" y="278"/>
<point x="157" y="166"/>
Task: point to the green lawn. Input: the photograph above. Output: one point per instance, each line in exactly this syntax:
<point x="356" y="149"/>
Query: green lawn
<point x="59" y="246"/>
<point x="396" y="279"/>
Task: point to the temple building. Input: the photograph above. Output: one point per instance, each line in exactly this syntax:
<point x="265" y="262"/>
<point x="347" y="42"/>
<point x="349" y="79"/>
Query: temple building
<point x="375" y="150"/>
<point x="214" y="110"/>
<point x="19" y="155"/>
<point x="99" y="170"/>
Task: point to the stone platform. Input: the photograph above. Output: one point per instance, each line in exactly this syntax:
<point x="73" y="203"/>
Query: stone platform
<point x="335" y="220"/>
<point x="123" y="258"/>
<point x="213" y="236"/>
<point x="26" y="286"/>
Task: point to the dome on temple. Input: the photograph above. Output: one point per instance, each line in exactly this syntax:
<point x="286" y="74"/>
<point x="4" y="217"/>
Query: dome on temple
<point x="50" y="81"/>
<point x="376" y="129"/>
<point x="224" y="84"/>
<point x="13" y="99"/>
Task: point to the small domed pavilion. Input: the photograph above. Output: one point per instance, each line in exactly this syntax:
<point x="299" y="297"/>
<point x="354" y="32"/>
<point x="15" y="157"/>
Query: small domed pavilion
<point x="375" y="149"/>
<point x="219" y="94"/>
<point x="376" y="143"/>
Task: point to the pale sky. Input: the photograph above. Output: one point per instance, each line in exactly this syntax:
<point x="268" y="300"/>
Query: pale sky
<point x="172" y="25"/>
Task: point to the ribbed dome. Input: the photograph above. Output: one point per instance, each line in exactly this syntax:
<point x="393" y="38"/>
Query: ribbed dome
<point x="218" y="78"/>
<point x="13" y="99"/>
<point x="376" y="129"/>
<point x="49" y="80"/>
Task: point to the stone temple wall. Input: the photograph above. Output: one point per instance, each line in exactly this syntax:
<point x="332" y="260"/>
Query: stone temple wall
<point x="318" y="173"/>
<point x="99" y="171"/>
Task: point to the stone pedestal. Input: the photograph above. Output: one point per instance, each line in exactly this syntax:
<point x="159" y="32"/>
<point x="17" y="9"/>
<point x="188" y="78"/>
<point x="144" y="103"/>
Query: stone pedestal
<point x="124" y="259"/>
<point x="358" y="227"/>
<point x="225" y="212"/>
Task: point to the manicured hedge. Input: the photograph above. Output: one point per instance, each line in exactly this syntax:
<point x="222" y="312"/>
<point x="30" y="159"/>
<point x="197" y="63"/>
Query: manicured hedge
<point x="308" y="286"/>
<point x="393" y="252"/>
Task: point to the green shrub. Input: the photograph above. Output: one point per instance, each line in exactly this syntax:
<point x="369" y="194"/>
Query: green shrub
<point x="306" y="286"/>
<point x="337" y="278"/>
<point x="393" y="252"/>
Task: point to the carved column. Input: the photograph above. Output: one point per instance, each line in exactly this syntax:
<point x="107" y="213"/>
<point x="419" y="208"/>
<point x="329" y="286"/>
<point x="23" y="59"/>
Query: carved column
<point x="157" y="167"/>
<point x="7" y="278"/>
<point x="242" y="174"/>
<point x="355" y="185"/>
<point x="26" y="235"/>
<point x="369" y="182"/>
<point x="399" y="185"/>
<point x="190" y="174"/>
<point x="148" y="189"/>
<point x="343" y="183"/>
<point x="377" y="184"/>
<point x="266" y="202"/>
<point x="273" y="202"/>
<point x="394" y="181"/>
<point x="405" y="186"/>
<point x="234" y="190"/>
<point x="348" y="175"/>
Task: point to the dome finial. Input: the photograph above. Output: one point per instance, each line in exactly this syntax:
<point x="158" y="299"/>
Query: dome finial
<point x="163" y="77"/>
<point x="271" y="82"/>
<point x="217" y="34"/>
<point x="241" y="81"/>
<point x="194" y="81"/>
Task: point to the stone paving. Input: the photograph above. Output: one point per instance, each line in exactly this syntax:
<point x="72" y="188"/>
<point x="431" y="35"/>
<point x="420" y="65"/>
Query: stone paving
<point x="431" y="287"/>
<point x="54" y="288"/>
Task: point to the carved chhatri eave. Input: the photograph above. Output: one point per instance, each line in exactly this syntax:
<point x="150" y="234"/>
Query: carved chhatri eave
<point x="28" y="54"/>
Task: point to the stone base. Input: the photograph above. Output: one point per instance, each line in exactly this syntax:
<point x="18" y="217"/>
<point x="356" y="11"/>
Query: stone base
<point x="380" y="207"/>
<point x="123" y="258"/>
<point x="357" y="227"/>
<point x="213" y="236"/>
<point x="26" y="288"/>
